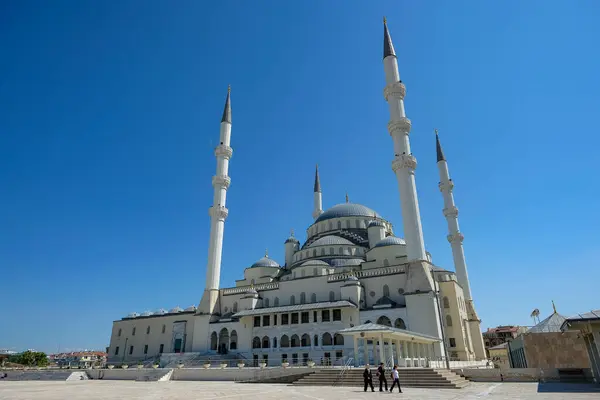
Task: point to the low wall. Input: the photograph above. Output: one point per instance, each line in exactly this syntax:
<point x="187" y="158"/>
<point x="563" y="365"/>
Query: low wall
<point x="231" y="374"/>
<point x="120" y="374"/>
<point x="459" y="364"/>
<point x="512" y="374"/>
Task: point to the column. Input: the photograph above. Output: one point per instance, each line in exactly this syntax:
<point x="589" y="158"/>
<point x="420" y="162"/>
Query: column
<point x="382" y="350"/>
<point x="391" y="344"/>
<point x="399" y="353"/>
<point x="375" y="358"/>
<point x="355" y="338"/>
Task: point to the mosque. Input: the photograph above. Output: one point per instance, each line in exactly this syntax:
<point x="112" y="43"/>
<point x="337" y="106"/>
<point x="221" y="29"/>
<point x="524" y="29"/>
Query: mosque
<point x="352" y="290"/>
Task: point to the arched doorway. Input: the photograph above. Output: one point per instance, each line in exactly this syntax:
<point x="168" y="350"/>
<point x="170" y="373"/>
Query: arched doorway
<point x="233" y="340"/>
<point x="223" y="341"/>
<point x="213" y="341"/>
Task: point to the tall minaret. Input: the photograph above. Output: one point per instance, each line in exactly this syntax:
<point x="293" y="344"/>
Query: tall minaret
<point x="455" y="237"/>
<point x="317" y="199"/>
<point x="218" y="213"/>
<point x="404" y="163"/>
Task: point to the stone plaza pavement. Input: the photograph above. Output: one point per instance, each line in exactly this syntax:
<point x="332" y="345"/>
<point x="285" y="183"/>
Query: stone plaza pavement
<point x="103" y="390"/>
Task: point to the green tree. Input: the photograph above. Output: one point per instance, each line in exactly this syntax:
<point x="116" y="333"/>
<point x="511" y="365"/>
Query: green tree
<point x="32" y="358"/>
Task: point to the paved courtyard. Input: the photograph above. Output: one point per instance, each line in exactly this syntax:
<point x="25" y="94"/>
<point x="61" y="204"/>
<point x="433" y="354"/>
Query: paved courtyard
<point x="103" y="390"/>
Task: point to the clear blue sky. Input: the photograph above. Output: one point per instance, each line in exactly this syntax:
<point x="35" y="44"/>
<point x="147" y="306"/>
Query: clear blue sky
<point x="109" y="113"/>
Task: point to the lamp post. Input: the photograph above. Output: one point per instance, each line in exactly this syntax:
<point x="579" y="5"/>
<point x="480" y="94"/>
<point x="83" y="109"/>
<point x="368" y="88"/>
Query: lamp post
<point x="437" y="300"/>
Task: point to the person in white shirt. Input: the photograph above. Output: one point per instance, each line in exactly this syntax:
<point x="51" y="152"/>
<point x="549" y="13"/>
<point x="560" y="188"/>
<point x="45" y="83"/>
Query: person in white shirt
<point x="396" y="379"/>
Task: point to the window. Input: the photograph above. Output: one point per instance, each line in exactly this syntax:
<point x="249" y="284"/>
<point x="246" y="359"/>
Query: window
<point x="133" y="331"/>
<point x="313" y="297"/>
<point x="295" y="358"/>
<point x="314" y="316"/>
<point x="266" y="301"/>
<point x="446" y="302"/>
<point x="340" y="251"/>
<point x="295" y="341"/>
<point x="256" y="343"/>
<point x="331" y="296"/>
<point x="330" y="226"/>
<point x="338" y="339"/>
<point x="285" y="341"/>
<point x="275" y="303"/>
<point x="452" y="342"/>
<point x="119" y="334"/>
<point x="338" y="355"/>
<point x="314" y="252"/>
<point x="148" y="330"/>
<point x="386" y="290"/>
<point x="235" y="307"/>
<point x="337" y="315"/>
<point x="161" y="348"/>
<point x="399" y="324"/>
<point x="339" y="225"/>
<point x="283" y="357"/>
<point x="117" y="351"/>
<point x="325" y="316"/>
<point x="266" y="320"/>
<point x="305" y="340"/>
<point x="265" y="342"/>
<point x="323" y="251"/>
<point x="316" y="340"/>
<point x="386" y="263"/>
<point x="275" y="319"/>
<point x="294" y="318"/>
<point x="257" y="321"/>
<point x="327" y="340"/>
<point x="274" y="342"/>
<point x="331" y="251"/>
<point x="448" y="320"/>
<point x="304" y="317"/>
<point x="145" y="349"/>
<point x="130" y="350"/>
<point x="292" y="300"/>
<point x="302" y="298"/>
<point x="383" y="320"/>
<point x="164" y="328"/>
<point x="284" y="319"/>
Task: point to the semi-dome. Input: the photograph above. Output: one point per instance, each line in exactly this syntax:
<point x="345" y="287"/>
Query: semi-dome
<point x="265" y="262"/>
<point x="314" y="263"/>
<point x="347" y="210"/>
<point x="330" y="240"/>
<point x="390" y="241"/>
<point x="375" y="222"/>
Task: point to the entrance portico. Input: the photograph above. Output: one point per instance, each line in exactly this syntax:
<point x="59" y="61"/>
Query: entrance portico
<point x="374" y="344"/>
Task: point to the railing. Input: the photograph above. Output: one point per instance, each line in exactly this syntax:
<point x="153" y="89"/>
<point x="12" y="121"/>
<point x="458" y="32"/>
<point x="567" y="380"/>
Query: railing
<point x="347" y="365"/>
<point x="367" y="273"/>
<point x="243" y="289"/>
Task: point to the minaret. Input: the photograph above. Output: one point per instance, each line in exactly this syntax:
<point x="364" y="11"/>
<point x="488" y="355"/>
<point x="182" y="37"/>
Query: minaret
<point x="218" y="213"/>
<point x="317" y="199"/>
<point x="404" y="163"/>
<point x="455" y="237"/>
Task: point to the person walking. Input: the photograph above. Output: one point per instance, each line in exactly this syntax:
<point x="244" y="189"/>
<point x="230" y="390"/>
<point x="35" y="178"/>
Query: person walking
<point x="396" y="379"/>
<point x="381" y="375"/>
<point x="368" y="378"/>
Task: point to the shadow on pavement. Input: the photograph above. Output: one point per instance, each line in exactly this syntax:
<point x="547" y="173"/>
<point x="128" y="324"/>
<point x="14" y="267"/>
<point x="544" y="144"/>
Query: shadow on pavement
<point x="568" y="388"/>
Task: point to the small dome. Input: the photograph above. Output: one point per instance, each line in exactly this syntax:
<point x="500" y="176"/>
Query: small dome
<point x="345" y="262"/>
<point x="314" y="263"/>
<point x="352" y="278"/>
<point x="265" y="262"/>
<point x="191" y="308"/>
<point x="347" y="210"/>
<point x="375" y="223"/>
<point x="146" y="314"/>
<point x="160" y="311"/>
<point x="175" y="310"/>
<point x="133" y="315"/>
<point x="390" y="241"/>
<point x="331" y="240"/>
<point x="252" y="291"/>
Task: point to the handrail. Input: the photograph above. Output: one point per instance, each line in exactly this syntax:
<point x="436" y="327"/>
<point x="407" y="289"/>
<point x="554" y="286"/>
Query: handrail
<point x="345" y="369"/>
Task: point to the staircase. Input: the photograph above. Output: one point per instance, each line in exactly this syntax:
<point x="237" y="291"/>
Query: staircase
<point x="409" y="377"/>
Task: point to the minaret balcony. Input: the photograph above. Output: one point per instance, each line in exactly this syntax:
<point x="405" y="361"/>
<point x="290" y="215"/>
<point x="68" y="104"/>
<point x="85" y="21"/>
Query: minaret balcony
<point x="446" y="186"/>
<point x="395" y="90"/>
<point x="223" y="151"/>
<point x="219" y="212"/>
<point x="221" y="181"/>
<point x="404" y="161"/>
<point x="402" y="125"/>
<point x="455" y="238"/>
<point x="451" y="212"/>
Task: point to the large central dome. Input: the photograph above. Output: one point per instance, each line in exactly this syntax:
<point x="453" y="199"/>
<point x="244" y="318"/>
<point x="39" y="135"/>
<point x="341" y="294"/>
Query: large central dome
<point x="347" y="210"/>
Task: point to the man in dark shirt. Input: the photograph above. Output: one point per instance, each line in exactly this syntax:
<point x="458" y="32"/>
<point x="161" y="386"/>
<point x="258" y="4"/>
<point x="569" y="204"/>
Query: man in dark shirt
<point x="381" y="375"/>
<point x="368" y="378"/>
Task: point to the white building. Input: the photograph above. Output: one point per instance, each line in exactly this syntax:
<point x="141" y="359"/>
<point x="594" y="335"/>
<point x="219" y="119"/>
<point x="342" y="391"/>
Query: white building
<point x="351" y="271"/>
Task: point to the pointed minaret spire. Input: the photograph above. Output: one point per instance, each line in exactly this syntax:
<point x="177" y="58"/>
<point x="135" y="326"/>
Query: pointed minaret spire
<point x="227" y="110"/>
<point x="438" y="148"/>
<point x="347" y="198"/>
<point x="388" y="47"/>
<point x="317" y="180"/>
<point x="317" y="197"/>
<point x="554" y="307"/>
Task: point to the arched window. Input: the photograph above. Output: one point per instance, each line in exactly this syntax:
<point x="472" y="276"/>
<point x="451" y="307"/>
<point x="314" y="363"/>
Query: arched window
<point x="386" y="263"/>
<point x="330" y="225"/>
<point x="233" y="340"/>
<point x="275" y="302"/>
<point x="323" y="251"/>
<point x="314" y="252"/>
<point x="274" y="342"/>
<point x="265" y="342"/>
<point x="446" y="302"/>
<point x="339" y="224"/>
<point x="338" y="339"/>
<point x="256" y="342"/>
<point x="383" y="320"/>
<point x="399" y="323"/>
<point x="316" y="340"/>
<point x="266" y="301"/>
<point x="327" y="340"/>
<point x="313" y="298"/>
<point x="331" y="251"/>
<point x="341" y="250"/>
<point x="213" y="341"/>
<point x="295" y="341"/>
<point x="302" y="298"/>
<point x="292" y="300"/>
<point x="285" y="341"/>
<point x="305" y="340"/>
<point x="349" y="251"/>
<point x="386" y="290"/>
<point x="224" y="338"/>
<point x="331" y="296"/>
<point x="448" y="320"/>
